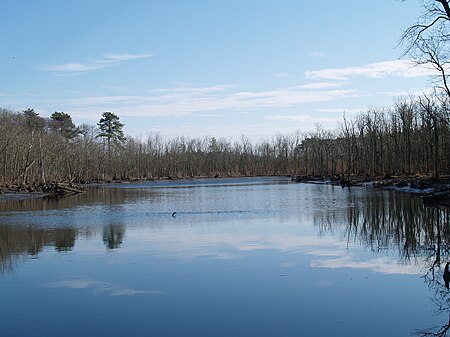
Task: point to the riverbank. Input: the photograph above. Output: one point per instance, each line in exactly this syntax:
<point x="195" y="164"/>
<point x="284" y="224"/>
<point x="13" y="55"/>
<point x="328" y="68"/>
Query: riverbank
<point x="24" y="192"/>
<point x="433" y="192"/>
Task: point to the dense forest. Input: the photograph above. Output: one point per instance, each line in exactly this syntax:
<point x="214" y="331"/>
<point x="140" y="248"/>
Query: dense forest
<point x="411" y="138"/>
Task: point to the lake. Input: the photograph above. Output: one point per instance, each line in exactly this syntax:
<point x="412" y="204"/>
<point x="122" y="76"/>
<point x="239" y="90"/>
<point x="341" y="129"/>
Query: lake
<point x="241" y="257"/>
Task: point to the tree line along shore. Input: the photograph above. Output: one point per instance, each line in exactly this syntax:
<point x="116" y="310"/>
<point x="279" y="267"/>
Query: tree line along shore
<point x="409" y="139"/>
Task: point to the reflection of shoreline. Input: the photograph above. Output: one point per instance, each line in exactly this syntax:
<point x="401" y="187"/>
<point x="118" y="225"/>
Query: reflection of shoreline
<point x="381" y="221"/>
<point x="16" y="243"/>
<point x="420" y="235"/>
<point x="19" y="242"/>
<point x="19" y="196"/>
<point x="95" y="195"/>
<point x="391" y="222"/>
<point x="441" y="301"/>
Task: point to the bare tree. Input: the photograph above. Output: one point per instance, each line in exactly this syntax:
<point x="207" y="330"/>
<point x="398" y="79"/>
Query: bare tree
<point x="428" y="40"/>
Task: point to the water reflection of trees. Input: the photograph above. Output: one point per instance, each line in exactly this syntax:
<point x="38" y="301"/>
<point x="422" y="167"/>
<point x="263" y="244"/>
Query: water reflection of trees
<point x="15" y="243"/>
<point x="94" y="195"/>
<point x="388" y="221"/>
<point x="401" y="223"/>
<point x="113" y="235"/>
<point x="438" y="284"/>
<point x="19" y="242"/>
<point x="442" y="305"/>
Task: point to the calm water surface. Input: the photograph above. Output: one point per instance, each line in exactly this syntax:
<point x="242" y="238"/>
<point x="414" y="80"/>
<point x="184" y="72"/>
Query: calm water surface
<point x="241" y="257"/>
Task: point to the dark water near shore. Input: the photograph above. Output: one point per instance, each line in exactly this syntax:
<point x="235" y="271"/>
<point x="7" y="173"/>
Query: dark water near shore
<point x="241" y="257"/>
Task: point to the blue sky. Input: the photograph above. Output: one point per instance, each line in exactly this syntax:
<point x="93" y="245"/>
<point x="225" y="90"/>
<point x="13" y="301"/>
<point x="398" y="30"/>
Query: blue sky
<point x="216" y="68"/>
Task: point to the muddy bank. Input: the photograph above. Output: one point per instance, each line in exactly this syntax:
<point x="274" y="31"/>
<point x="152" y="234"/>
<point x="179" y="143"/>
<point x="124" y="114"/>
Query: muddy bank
<point x="24" y="192"/>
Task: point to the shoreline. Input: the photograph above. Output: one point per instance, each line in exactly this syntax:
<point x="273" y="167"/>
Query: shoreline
<point x="18" y="193"/>
<point x="433" y="193"/>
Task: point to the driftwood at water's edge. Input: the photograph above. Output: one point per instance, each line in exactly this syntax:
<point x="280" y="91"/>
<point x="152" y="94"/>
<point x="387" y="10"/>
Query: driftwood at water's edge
<point x="51" y="188"/>
<point x="60" y="189"/>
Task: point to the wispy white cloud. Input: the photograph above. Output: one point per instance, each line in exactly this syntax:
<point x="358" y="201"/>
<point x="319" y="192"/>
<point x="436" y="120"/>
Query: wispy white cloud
<point x="109" y="57"/>
<point x="408" y="93"/>
<point x="255" y="130"/>
<point x="182" y="101"/>
<point x="283" y="75"/>
<point x="323" y="85"/>
<point x="341" y="110"/>
<point x="91" y="64"/>
<point x="184" y="89"/>
<point x="318" y="54"/>
<point x="397" y="68"/>
<point x="111" y="289"/>
<point x="302" y="118"/>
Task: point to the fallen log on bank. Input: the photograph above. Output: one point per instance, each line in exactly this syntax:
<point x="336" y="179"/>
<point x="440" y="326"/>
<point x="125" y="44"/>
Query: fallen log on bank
<point x="60" y="189"/>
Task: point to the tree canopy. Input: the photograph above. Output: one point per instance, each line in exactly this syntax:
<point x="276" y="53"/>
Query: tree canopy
<point x="111" y="128"/>
<point x="63" y="123"/>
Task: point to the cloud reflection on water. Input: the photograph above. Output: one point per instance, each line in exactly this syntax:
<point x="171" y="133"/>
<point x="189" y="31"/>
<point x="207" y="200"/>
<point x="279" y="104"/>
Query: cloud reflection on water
<point x="325" y="251"/>
<point x="383" y="265"/>
<point x="111" y="289"/>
